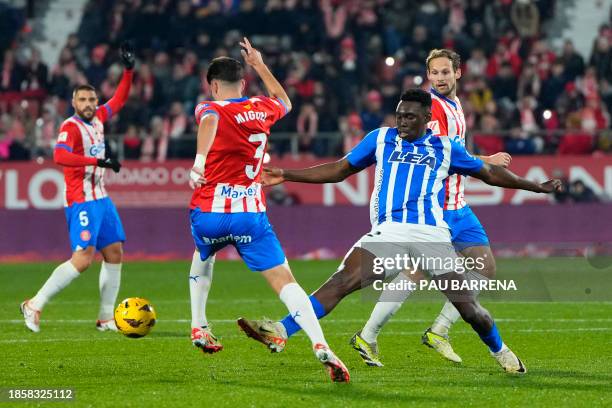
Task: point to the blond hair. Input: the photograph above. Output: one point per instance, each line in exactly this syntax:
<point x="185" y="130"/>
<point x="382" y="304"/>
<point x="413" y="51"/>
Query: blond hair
<point x="444" y="53"/>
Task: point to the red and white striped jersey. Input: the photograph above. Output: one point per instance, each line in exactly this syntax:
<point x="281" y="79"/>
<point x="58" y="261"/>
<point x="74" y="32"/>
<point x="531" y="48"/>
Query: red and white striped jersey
<point x="234" y="163"/>
<point x="83" y="138"/>
<point x="447" y="119"/>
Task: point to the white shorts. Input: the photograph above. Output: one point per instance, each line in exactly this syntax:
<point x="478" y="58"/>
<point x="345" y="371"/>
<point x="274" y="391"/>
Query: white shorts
<point x="428" y="248"/>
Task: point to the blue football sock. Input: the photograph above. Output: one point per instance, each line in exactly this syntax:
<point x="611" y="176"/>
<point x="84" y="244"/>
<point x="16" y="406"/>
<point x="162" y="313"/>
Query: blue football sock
<point x="492" y="339"/>
<point x="292" y="327"/>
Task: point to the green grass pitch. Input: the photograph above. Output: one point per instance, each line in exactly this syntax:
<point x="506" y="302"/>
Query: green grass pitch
<point x="566" y="346"/>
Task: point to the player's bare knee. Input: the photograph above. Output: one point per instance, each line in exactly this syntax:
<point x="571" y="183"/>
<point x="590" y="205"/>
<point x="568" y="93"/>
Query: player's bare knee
<point x="83" y="259"/>
<point x="489" y="267"/>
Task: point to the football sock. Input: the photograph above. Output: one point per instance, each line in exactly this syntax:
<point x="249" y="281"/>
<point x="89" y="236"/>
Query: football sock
<point x="388" y="304"/>
<point x="290" y="324"/>
<point x="200" y="279"/>
<point x="110" y="278"/>
<point x="449" y="314"/>
<point x="59" y="279"/>
<point x="492" y="339"/>
<point x="302" y="312"/>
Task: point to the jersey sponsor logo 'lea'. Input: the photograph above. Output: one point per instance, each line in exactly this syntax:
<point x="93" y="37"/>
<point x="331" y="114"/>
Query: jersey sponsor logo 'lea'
<point x="412" y="158"/>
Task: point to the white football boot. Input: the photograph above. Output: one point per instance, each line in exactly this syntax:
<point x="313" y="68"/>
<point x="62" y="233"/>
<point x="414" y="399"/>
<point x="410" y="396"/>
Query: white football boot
<point x="31" y="316"/>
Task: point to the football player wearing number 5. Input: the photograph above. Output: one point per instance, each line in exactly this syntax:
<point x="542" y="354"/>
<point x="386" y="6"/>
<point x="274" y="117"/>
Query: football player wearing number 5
<point x="228" y="206"/>
<point x="93" y="222"/>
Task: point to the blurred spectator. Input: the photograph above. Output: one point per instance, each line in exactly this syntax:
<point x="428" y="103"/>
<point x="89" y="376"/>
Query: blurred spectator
<point x="11" y="74"/>
<point x="601" y="58"/>
<point x="504" y="84"/>
<point x="520" y="143"/>
<point x="352" y="131"/>
<point x="526" y="18"/>
<point x="307" y="124"/>
<point x="580" y="193"/>
<point x="175" y="125"/>
<point x="552" y="87"/>
<point x="372" y="116"/>
<point x="477" y="63"/>
<point x="575" y="141"/>
<point x="573" y="63"/>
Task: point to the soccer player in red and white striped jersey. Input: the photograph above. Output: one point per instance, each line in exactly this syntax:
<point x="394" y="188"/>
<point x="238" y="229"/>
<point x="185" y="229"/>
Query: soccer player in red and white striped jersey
<point x="93" y="221"/>
<point x="228" y="207"/>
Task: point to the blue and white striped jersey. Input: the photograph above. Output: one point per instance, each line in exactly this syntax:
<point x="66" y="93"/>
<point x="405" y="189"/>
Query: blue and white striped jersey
<point x="409" y="176"/>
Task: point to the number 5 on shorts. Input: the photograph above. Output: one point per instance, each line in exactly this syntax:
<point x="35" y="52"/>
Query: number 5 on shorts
<point x="83" y="219"/>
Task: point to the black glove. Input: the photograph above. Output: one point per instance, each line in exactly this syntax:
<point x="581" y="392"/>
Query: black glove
<point x="110" y="163"/>
<point x="126" y="51"/>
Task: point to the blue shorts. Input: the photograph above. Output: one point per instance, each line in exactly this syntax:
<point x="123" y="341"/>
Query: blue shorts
<point x="250" y="233"/>
<point x="94" y="223"/>
<point x="466" y="231"/>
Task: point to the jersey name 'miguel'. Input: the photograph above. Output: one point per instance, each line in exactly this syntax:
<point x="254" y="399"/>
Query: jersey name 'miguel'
<point x="250" y="115"/>
<point x="412" y="158"/>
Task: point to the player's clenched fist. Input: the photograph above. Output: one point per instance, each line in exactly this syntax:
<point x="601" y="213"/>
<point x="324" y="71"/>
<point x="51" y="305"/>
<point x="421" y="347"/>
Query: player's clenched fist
<point x="110" y="163"/>
<point x="500" y="159"/>
<point x="551" y="186"/>
<point x="251" y="56"/>
<point x="272" y="176"/>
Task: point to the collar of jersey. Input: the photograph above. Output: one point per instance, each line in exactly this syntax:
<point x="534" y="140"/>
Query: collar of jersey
<point x="244" y="98"/>
<point x="439" y="95"/>
<point x="406" y="142"/>
<point x="77" y="117"/>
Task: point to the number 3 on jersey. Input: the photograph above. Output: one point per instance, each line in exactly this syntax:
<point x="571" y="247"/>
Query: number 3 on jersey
<point x="259" y="154"/>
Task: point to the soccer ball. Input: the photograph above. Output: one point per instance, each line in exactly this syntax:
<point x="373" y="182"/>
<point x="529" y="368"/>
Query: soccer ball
<point x="135" y="317"/>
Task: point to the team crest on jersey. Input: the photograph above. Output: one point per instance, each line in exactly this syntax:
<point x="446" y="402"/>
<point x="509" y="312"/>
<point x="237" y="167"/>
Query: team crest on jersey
<point x="412" y="158"/>
<point x="85" y="235"/>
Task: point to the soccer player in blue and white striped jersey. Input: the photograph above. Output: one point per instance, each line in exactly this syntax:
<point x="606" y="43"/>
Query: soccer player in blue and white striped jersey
<point x="406" y="213"/>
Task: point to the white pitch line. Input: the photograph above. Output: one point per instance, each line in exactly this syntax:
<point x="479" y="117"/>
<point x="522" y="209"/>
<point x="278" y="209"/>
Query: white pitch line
<point x="186" y="337"/>
<point x="503" y="320"/>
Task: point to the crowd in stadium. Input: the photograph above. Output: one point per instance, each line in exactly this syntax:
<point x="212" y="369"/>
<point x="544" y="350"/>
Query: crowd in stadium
<point x="344" y="64"/>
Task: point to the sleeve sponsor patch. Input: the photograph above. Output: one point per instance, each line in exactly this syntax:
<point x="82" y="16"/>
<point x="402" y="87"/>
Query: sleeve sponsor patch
<point x="63" y="137"/>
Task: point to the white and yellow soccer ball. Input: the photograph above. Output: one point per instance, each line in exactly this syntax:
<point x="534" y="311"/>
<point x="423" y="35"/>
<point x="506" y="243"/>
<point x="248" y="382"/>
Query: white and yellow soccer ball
<point x="135" y="317"/>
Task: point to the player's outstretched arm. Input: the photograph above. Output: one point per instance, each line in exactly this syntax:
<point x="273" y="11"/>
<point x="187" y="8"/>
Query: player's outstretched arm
<point x="501" y="177"/>
<point x="253" y="58"/>
<point x="206" y="136"/>
<point x="116" y="102"/>
<point x="324" y="173"/>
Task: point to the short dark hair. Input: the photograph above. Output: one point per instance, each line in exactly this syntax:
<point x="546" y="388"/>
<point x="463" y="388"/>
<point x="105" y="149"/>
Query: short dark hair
<point x="417" y="95"/>
<point x="225" y="69"/>
<point x="84" y="87"/>
<point x="444" y="53"/>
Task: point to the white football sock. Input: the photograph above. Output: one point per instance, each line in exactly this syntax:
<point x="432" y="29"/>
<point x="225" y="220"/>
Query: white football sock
<point x="449" y="313"/>
<point x="59" y="279"/>
<point x="200" y="279"/>
<point x="385" y="309"/>
<point x="300" y="308"/>
<point x="110" y="278"/>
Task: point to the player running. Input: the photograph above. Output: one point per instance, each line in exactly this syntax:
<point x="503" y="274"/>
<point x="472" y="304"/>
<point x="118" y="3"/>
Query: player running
<point x="406" y="211"/>
<point x="467" y="234"/>
<point x="228" y="206"/>
<point x="93" y="221"/>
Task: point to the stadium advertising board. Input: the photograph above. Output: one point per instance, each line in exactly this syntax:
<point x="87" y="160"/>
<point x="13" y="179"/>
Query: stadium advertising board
<point x="26" y="185"/>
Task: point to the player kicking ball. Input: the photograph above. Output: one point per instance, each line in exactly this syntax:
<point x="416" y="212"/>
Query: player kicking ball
<point x="93" y="221"/>
<point x="407" y="216"/>
<point x="228" y="206"/>
<point x="467" y="233"/>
